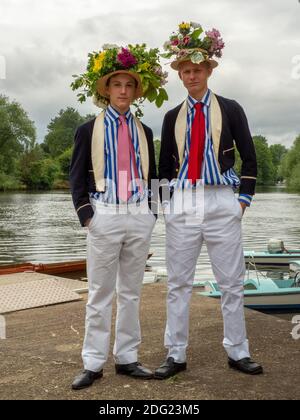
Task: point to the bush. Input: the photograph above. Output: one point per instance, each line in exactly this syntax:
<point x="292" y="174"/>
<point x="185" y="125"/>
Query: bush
<point x="64" y="161"/>
<point x="8" y="182"/>
<point x="41" y="174"/>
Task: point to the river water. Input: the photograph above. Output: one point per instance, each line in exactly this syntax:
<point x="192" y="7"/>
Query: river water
<point x="43" y="227"/>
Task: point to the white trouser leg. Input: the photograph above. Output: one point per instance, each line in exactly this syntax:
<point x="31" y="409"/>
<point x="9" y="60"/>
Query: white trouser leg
<point x="223" y="236"/>
<point x="133" y="259"/>
<point x="104" y="240"/>
<point x="183" y="245"/>
<point x="117" y="243"/>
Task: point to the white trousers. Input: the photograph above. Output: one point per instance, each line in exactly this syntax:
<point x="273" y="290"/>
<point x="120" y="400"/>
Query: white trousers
<point x="117" y="250"/>
<point x="216" y="219"/>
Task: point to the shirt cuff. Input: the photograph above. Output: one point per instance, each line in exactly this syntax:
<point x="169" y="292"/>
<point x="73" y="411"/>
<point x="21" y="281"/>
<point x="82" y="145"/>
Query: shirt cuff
<point x="246" y="199"/>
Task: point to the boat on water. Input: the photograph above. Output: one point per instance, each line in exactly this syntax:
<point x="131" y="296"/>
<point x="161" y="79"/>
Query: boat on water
<point x="266" y="293"/>
<point x="275" y="256"/>
<point x="49" y="268"/>
<point x="295" y="267"/>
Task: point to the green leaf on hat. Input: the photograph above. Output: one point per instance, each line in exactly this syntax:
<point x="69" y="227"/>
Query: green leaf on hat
<point x="151" y="94"/>
<point x="162" y="96"/>
<point x="197" y="33"/>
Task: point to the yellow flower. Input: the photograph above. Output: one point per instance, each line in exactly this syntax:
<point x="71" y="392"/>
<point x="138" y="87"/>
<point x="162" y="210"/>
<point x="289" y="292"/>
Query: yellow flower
<point x="144" y="67"/>
<point x="184" y="26"/>
<point x="98" y="62"/>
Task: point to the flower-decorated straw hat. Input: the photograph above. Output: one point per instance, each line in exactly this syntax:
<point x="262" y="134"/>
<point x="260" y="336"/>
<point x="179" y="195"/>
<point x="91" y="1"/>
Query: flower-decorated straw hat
<point x="140" y="63"/>
<point x="190" y="43"/>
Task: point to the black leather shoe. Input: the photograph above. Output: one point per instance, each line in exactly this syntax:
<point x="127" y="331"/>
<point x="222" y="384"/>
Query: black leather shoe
<point x="135" y="370"/>
<point x="86" y="379"/>
<point x="169" y="368"/>
<point x="246" y="365"/>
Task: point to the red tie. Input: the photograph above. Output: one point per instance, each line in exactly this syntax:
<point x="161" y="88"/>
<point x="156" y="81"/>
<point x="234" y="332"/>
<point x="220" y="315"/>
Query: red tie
<point x="197" y="145"/>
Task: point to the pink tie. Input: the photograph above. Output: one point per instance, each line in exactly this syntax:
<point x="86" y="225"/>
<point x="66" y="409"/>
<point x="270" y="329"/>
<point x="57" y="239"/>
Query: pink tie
<point x="124" y="150"/>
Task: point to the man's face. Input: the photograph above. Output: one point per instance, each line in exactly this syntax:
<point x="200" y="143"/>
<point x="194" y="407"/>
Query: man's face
<point x="194" y="76"/>
<point x="121" y="90"/>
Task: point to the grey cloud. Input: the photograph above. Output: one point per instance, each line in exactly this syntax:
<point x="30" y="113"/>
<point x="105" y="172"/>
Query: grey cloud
<point x="261" y="38"/>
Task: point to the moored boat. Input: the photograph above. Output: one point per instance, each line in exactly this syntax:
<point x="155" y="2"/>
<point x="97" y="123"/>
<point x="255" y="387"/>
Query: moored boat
<point x="48" y="268"/>
<point x="264" y="294"/>
<point x="276" y="256"/>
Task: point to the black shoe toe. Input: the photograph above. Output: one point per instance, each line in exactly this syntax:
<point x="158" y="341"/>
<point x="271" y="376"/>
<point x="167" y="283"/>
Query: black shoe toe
<point x="135" y="370"/>
<point x="86" y="379"/>
<point x="169" y="368"/>
<point x="246" y="365"/>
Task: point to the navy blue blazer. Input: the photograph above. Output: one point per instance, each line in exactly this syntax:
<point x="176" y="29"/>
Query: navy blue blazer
<point x="82" y="180"/>
<point x="234" y="129"/>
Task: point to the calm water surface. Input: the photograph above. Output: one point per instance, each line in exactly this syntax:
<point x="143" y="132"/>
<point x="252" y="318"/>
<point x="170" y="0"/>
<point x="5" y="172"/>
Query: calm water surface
<point x="43" y="227"/>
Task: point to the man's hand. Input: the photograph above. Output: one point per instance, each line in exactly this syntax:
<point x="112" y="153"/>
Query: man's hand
<point x="88" y="221"/>
<point x="244" y="206"/>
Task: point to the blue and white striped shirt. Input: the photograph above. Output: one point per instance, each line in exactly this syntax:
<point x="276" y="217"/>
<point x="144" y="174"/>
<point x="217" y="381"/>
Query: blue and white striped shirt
<point x="210" y="173"/>
<point x="111" y="124"/>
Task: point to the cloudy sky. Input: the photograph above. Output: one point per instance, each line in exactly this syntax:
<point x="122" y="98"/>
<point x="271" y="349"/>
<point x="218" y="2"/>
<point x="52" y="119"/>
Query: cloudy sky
<point x="42" y="43"/>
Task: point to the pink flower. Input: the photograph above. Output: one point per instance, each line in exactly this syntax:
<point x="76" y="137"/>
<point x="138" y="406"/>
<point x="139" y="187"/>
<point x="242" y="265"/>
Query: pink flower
<point x="175" y="42"/>
<point x="186" y="40"/>
<point x="217" y="43"/>
<point x="126" y="59"/>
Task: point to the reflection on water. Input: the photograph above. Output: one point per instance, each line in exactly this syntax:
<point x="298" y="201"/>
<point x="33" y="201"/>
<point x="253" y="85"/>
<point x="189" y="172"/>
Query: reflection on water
<point x="43" y="227"/>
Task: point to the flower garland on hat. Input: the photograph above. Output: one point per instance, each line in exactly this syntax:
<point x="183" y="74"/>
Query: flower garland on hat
<point x="190" y="42"/>
<point x="133" y="58"/>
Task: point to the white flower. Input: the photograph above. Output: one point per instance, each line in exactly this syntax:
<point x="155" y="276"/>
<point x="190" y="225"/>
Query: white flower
<point x="195" y="25"/>
<point x="98" y="102"/>
<point x="109" y="46"/>
<point x="167" y="45"/>
<point x="175" y="49"/>
<point x="197" y="58"/>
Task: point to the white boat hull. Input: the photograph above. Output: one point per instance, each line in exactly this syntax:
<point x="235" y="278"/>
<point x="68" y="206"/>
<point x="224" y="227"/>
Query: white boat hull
<point x="270" y="260"/>
<point x="279" y="301"/>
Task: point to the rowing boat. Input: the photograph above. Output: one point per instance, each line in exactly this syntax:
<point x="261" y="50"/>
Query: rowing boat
<point x="49" y="268"/>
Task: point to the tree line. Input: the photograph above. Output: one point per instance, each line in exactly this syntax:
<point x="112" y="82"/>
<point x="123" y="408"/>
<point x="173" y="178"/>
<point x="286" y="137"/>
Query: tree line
<point x="28" y="165"/>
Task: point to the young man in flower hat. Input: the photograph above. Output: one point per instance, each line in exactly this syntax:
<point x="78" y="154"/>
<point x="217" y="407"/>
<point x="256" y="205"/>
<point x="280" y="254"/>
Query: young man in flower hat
<point x="196" y="170"/>
<point x="112" y="167"/>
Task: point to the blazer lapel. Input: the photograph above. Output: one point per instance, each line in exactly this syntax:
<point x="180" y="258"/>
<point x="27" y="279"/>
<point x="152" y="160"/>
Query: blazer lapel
<point x="216" y="125"/>
<point x="143" y="144"/>
<point x="180" y="131"/>
<point x="98" y="152"/>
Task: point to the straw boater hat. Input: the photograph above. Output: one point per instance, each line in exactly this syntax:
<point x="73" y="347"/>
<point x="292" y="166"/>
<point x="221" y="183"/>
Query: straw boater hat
<point x="102" y="83"/>
<point x="176" y="64"/>
<point x="189" y="43"/>
<point x="137" y="61"/>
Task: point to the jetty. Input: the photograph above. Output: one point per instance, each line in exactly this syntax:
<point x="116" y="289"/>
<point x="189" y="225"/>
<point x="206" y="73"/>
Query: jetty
<point x="41" y="353"/>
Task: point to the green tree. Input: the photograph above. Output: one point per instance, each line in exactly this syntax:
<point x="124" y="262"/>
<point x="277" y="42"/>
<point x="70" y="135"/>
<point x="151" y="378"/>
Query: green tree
<point x="26" y="164"/>
<point x="43" y="174"/>
<point x="265" y="167"/>
<point x="64" y="161"/>
<point x="278" y="152"/>
<point x="17" y="135"/>
<point x="291" y="166"/>
<point x="61" y="131"/>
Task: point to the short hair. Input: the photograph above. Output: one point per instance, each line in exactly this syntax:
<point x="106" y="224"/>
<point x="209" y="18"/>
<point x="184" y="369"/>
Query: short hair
<point x="115" y="75"/>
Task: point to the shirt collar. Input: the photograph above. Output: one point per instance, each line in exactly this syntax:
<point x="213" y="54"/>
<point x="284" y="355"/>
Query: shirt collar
<point x="113" y="115"/>
<point x="205" y="100"/>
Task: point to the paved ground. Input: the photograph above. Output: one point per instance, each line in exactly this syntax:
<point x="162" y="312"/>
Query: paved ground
<point x="41" y="355"/>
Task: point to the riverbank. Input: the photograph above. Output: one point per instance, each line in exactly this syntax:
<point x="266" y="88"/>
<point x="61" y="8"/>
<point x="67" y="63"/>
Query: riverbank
<point x="41" y="355"/>
<point x="65" y="186"/>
